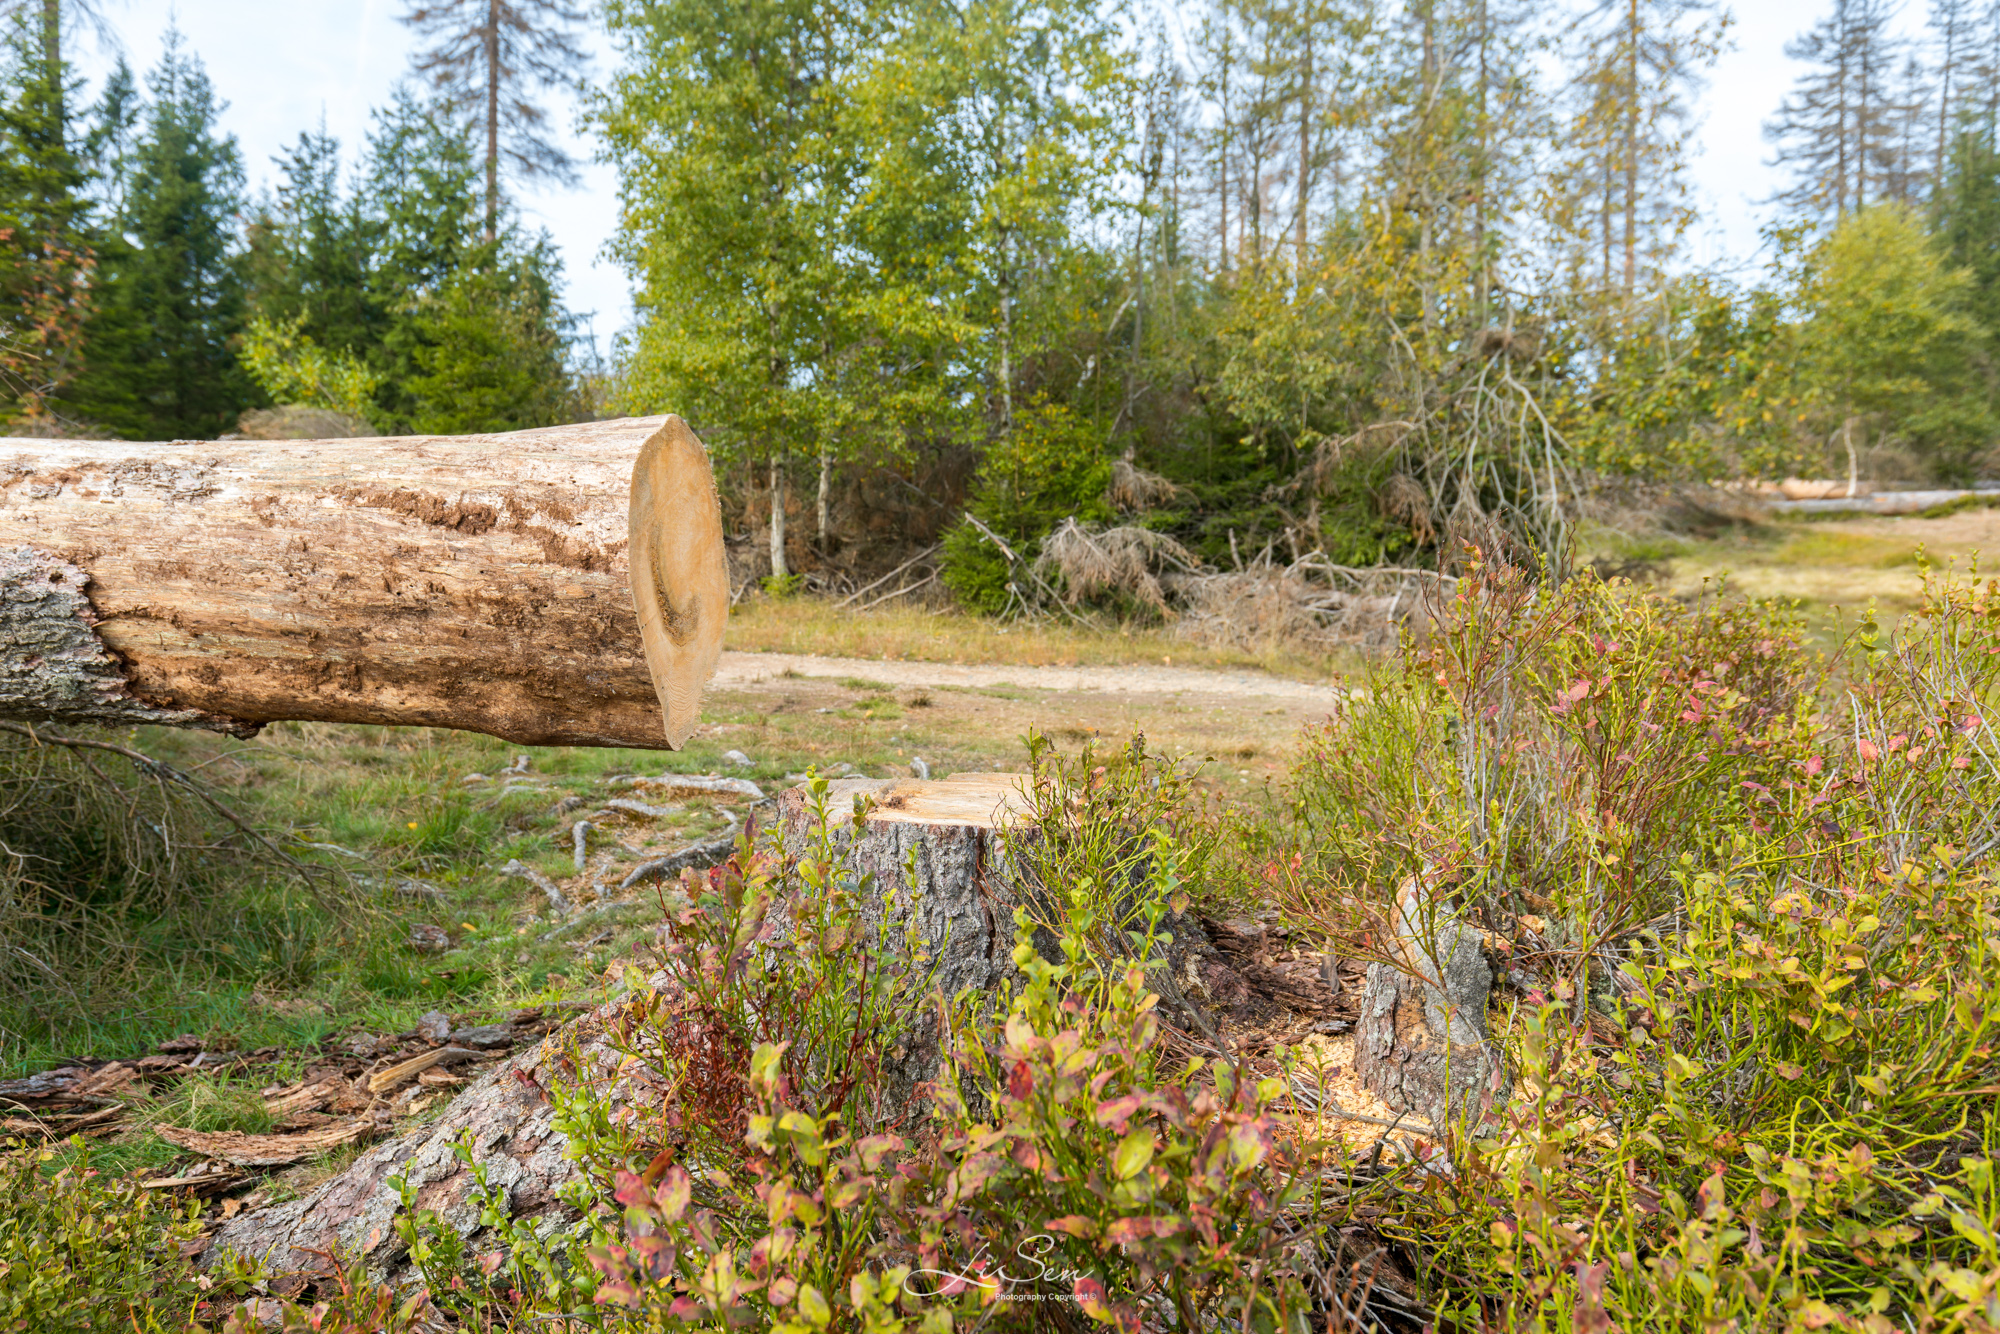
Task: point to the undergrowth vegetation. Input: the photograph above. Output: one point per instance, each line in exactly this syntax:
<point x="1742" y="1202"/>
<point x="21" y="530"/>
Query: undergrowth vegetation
<point x="1740" y="895"/>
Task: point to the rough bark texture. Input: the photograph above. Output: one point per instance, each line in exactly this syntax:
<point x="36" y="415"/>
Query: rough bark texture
<point x="54" y="666"/>
<point x="474" y="582"/>
<point x="966" y="893"/>
<point x="1421" y="1043"/>
<point x="350" y="1216"/>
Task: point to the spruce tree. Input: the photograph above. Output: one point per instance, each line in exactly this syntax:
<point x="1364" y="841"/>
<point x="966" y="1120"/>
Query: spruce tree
<point x="46" y="251"/>
<point x="310" y="251"/>
<point x="169" y="287"/>
<point x="486" y="59"/>
<point x="1968" y="223"/>
<point x="1838" y="130"/>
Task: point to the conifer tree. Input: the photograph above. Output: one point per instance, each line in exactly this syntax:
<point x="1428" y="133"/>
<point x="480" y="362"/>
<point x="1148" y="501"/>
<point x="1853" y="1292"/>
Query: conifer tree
<point x="169" y="285"/>
<point x="390" y="273"/>
<point x="1838" y="130"/>
<point x="487" y="59"/>
<point x="46" y="250"/>
<point x="1637" y="64"/>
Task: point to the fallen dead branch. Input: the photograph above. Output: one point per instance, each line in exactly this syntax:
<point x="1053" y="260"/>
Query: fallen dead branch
<point x="1312" y="602"/>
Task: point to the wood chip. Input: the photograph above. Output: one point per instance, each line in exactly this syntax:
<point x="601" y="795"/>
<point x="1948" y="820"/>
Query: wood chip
<point x="204" y="1178"/>
<point x="306" y="1097"/>
<point x="403" y="1071"/>
<point x="112" y="1079"/>
<point x="241" y="1150"/>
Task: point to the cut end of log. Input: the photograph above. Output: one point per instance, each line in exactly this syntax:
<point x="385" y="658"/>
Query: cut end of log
<point x="974" y="800"/>
<point x="679" y="572"/>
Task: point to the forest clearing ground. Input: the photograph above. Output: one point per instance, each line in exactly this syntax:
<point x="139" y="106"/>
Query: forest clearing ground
<point x="1828" y="563"/>
<point x="452" y="809"/>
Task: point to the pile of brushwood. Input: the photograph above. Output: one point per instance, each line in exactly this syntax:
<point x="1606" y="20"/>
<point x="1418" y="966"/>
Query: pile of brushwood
<point x="1743" y="896"/>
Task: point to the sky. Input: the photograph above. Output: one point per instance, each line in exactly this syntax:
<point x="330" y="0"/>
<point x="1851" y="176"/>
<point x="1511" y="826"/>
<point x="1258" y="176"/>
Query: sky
<point x="283" y="67"/>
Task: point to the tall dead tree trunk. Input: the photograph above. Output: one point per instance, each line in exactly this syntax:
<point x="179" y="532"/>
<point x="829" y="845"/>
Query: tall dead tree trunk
<point x="472" y="582"/>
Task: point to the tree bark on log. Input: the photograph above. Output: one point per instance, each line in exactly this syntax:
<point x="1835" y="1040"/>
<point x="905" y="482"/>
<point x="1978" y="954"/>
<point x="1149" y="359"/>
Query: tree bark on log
<point x="350" y="1218"/>
<point x="471" y="582"/>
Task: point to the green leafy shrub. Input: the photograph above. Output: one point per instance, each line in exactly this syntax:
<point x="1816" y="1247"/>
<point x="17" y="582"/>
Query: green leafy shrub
<point x="1072" y="1159"/>
<point x="1050" y="467"/>
<point x="1784" y="1117"/>
<point x="1558" y="749"/>
<point x="1757" y="1079"/>
<point x="80" y="1251"/>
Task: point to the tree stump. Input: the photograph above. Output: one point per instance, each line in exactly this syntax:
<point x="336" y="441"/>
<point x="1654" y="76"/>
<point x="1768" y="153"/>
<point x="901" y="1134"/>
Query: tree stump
<point x="1421" y="1043"/>
<point x="963" y="913"/>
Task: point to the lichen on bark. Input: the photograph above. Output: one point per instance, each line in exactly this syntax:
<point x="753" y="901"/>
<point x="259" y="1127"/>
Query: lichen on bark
<point x="53" y="665"/>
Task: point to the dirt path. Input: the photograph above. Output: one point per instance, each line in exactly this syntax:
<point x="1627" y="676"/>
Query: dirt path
<point x="737" y="670"/>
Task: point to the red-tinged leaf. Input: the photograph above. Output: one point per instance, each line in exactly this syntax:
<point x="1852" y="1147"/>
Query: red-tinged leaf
<point x="632" y="1192"/>
<point x="1074" y="1225"/>
<point x="609" y="1260"/>
<point x="687" y="1310"/>
<point x="671" y="1199"/>
<point x="1588" y="1315"/>
<point x="1119" y="1111"/>
<point x="1020" y="1081"/>
<point x="874" y="1148"/>
<point x="975" y="1172"/>
<point x="1128" y="1231"/>
<point x="654" y="1254"/>
<point x="1090" y="1295"/>
<point x="1868" y="751"/>
<point x="617" y="1293"/>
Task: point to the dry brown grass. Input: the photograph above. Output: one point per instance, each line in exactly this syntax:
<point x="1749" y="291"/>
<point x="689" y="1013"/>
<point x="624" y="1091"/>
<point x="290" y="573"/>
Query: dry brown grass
<point x="814" y="625"/>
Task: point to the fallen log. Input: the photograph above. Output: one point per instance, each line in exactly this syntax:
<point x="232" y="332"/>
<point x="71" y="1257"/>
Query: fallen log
<point x="483" y="583"/>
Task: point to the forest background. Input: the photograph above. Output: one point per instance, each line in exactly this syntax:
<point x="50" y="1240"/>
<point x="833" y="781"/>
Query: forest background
<point x="1372" y="280"/>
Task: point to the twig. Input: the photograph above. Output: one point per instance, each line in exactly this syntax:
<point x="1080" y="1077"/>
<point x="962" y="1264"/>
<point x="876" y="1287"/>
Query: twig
<point x="516" y="869"/>
<point x="163" y="772"/>
<point x="930" y="578"/>
<point x="921" y="555"/>
<point x="1014" y="558"/>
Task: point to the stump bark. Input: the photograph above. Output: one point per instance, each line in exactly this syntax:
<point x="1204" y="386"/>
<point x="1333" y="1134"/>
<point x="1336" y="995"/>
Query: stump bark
<point x="474" y="582"/>
<point x="1421" y="1043"/>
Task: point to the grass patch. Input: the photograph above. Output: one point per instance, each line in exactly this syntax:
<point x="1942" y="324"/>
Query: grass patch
<point x="1823" y="547"/>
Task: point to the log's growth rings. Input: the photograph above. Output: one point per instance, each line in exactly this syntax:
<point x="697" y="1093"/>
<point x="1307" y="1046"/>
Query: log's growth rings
<point x="679" y="571"/>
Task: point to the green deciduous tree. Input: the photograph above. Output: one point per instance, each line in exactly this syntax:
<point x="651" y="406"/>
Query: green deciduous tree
<point x="726" y="126"/>
<point x="1886" y="344"/>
